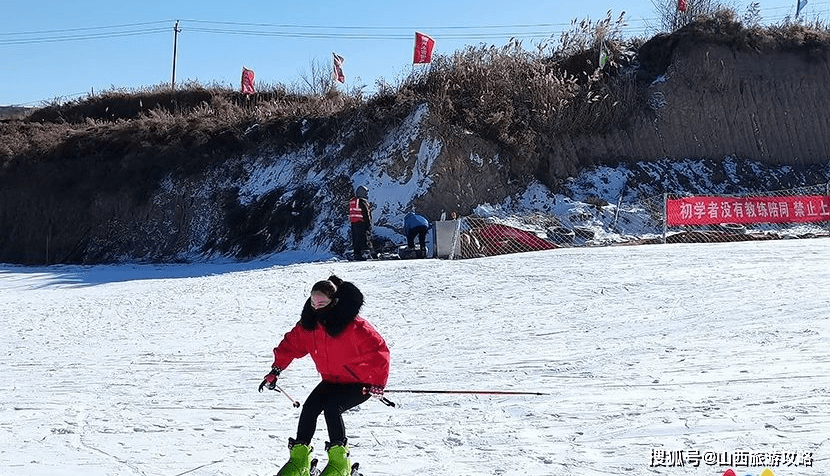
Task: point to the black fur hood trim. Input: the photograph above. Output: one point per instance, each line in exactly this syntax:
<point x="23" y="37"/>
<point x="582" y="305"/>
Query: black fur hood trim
<point x="349" y="301"/>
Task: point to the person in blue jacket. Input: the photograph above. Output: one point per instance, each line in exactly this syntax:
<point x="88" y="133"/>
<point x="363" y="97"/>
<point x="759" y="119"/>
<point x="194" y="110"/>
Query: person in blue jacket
<point x="416" y="225"/>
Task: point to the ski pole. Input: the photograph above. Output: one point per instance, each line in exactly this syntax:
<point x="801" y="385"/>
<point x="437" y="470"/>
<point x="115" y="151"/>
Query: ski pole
<point x="466" y="392"/>
<point x="293" y="402"/>
<point x="383" y="400"/>
<point x="386" y="401"/>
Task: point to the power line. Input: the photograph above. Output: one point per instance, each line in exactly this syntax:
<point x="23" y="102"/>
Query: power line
<point x="342" y="36"/>
<point x="387" y="32"/>
<point x="85" y="28"/>
<point x="88" y="36"/>
<point x="407" y="28"/>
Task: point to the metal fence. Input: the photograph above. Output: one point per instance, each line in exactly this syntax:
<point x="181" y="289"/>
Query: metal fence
<point x="784" y="214"/>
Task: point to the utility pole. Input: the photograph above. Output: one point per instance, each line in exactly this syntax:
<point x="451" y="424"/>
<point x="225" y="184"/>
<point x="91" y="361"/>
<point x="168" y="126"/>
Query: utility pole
<point x="176" y="31"/>
<point x="801" y="4"/>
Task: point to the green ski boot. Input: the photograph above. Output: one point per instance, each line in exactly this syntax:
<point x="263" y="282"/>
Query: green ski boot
<point x="339" y="464"/>
<point x="299" y="462"/>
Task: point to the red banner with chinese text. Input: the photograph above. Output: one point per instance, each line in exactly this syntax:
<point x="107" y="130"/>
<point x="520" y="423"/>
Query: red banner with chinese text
<point x="705" y="210"/>
<point x="424" y="45"/>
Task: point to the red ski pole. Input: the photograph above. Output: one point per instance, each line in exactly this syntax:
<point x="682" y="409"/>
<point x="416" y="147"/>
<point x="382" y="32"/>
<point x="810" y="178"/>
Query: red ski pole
<point x="466" y="392"/>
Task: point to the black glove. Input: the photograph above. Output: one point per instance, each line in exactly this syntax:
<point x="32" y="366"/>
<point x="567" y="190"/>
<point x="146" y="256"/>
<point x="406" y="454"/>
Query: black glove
<point x="271" y="379"/>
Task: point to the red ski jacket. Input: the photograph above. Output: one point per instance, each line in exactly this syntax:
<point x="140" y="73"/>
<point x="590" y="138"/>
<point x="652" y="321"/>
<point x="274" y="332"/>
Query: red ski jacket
<point x="344" y="346"/>
<point x="357" y="355"/>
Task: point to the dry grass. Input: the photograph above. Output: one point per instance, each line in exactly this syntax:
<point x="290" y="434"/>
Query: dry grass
<point x="520" y="98"/>
<point x="723" y="26"/>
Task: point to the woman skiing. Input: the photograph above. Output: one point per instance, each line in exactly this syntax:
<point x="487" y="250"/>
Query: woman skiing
<point x="352" y="359"/>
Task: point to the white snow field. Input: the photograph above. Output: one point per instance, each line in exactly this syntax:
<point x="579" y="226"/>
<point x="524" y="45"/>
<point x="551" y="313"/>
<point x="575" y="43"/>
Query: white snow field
<point x="714" y="353"/>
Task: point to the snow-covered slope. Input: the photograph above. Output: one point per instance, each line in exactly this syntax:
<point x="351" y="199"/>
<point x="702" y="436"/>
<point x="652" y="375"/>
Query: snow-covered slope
<point x="152" y="370"/>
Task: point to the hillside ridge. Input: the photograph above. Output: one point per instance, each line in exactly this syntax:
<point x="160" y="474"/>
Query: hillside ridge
<point x="142" y="181"/>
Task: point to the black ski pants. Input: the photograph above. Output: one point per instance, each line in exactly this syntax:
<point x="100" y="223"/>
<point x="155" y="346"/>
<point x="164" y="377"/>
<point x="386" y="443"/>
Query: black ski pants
<point x="361" y="239"/>
<point x="330" y="399"/>
<point x="421" y="233"/>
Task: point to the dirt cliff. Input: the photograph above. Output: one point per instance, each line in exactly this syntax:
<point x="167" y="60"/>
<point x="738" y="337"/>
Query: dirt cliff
<point x="708" y="98"/>
<point x="717" y="99"/>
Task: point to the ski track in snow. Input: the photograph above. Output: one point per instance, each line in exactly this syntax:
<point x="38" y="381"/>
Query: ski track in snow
<point x="711" y="347"/>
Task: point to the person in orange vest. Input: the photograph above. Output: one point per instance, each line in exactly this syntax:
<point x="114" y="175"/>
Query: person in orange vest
<point x="360" y="216"/>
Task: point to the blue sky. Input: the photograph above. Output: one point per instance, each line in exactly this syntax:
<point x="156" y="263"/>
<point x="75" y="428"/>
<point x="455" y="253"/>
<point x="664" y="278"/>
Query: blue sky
<point x="67" y="49"/>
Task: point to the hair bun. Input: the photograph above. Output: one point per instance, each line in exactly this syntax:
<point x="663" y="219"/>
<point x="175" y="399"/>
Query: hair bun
<point x="326" y="287"/>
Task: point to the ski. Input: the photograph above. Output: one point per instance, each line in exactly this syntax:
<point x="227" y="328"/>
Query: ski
<point x="313" y="470"/>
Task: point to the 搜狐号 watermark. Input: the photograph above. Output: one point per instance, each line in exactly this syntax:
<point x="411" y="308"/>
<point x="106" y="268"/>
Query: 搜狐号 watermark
<point x="739" y="459"/>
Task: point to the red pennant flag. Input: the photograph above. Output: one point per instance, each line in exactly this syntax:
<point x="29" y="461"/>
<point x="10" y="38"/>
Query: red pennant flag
<point x="247" y="81"/>
<point x="423" y="48"/>
<point x="337" y="62"/>
<point x="681" y="5"/>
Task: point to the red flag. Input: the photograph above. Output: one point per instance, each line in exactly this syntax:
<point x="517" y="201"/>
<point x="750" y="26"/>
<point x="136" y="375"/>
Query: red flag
<point x="423" y="48"/>
<point x="681" y="5"/>
<point x="337" y="62"/>
<point x="247" y="81"/>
